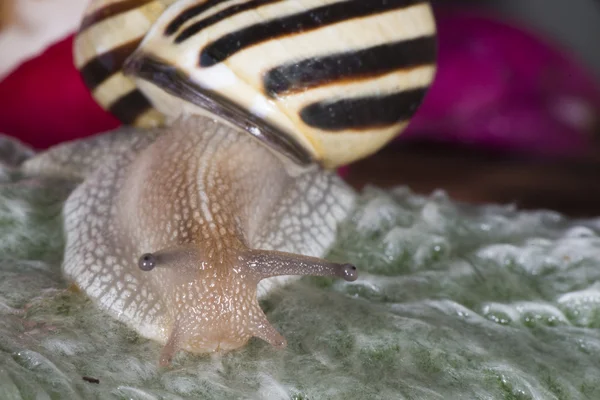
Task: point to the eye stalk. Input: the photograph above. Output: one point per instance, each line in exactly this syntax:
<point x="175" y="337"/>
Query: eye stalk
<point x="147" y="262"/>
<point x="268" y="263"/>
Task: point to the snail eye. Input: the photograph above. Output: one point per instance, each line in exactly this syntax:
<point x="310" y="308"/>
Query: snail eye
<point x="147" y="262"/>
<point x="350" y="273"/>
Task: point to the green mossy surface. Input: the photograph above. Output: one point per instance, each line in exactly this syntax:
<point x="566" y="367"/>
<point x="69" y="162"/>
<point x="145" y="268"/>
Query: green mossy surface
<point x="453" y="302"/>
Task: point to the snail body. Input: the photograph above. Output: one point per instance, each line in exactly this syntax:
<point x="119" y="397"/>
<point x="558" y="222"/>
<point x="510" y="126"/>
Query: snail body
<point x="177" y="230"/>
<point x="172" y="230"/>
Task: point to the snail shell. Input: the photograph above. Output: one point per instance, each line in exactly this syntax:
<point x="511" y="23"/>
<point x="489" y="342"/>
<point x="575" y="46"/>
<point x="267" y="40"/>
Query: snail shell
<point x="109" y="32"/>
<point x="324" y="81"/>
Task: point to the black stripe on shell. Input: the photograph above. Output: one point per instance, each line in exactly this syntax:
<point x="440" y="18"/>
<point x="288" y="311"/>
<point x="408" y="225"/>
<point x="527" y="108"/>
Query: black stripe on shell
<point x="198" y="26"/>
<point x="363" y="113"/>
<point x="110" y="11"/>
<point x="130" y="107"/>
<point x="104" y="65"/>
<point x="178" y="83"/>
<point x="188" y="14"/>
<point x="353" y="65"/>
<point x="231" y="43"/>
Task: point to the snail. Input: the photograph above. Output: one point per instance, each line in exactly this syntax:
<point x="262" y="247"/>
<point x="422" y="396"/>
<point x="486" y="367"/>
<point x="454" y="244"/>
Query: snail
<point x="222" y="188"/>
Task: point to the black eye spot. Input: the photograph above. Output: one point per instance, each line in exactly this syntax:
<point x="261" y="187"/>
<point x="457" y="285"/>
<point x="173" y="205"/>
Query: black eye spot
<point x="350" y="272"/>
<point x="147" y="262"/>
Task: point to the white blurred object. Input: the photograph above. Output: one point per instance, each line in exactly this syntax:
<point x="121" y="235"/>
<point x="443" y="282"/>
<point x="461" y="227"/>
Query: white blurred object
<point x="33" y="26"/>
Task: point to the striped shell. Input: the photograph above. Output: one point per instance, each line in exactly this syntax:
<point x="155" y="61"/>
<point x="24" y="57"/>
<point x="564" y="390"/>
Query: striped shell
<point x="109" y="32"/>
<point x="330" y="81"/>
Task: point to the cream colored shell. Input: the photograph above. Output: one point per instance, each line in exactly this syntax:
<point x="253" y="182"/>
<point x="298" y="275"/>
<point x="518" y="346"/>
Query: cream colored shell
<point x="109" y="32"/>
<point x="330" y="81"/>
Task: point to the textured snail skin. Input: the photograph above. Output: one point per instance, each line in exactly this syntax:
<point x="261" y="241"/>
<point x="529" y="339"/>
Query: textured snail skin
<point x="198" y="200"/>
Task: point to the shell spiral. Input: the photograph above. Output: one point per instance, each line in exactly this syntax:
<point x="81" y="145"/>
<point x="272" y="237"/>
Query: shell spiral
<point x="327" y="81"/>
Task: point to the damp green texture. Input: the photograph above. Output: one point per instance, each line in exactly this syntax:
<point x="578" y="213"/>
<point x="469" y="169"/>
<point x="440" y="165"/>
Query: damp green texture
<point x="452" y="302"/>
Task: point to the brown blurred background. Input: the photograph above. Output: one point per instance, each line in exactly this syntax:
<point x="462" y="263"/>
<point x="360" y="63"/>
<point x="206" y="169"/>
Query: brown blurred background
<point x="571" y="187"/>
